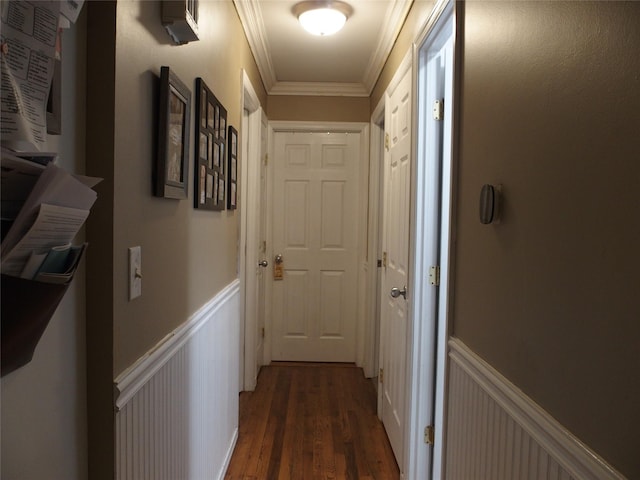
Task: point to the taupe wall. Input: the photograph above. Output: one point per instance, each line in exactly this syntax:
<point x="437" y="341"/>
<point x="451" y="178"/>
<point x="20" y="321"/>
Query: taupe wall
<point x="188" y="255"/>
<point x="550" y="108"/>
<point x="318" y="109"/>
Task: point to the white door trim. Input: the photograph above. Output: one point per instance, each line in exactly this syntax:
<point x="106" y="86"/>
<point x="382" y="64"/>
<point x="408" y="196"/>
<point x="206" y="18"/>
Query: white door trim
<point x="376" y="158"/>
<point x="355" y="127"/>
<point x="248" y="211"/>
<point x="441" y="19"/>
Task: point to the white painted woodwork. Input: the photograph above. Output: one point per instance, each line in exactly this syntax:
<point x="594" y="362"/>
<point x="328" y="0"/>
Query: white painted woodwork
<point x="431" y="211"/>
<point x="177" y="406"/>
<point x="496" y="432"/>
<point x="374" y="245"/>
<point x="262" y="242"/>
<point x="351" y="68"/>
<point x="395" y="314"/>
<point x="315" y="229"/>
<point x="250" y="207"/>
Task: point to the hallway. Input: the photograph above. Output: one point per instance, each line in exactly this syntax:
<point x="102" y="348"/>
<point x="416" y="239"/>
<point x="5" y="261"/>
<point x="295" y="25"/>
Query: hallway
<point x="311" y="421"/>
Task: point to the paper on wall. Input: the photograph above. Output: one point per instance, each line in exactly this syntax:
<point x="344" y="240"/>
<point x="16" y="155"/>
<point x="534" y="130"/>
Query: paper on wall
<point x="54" y="226"/>
<point x="54" y="187"/>
<point x="71" y="9"/>
<point x="28" y="42"/>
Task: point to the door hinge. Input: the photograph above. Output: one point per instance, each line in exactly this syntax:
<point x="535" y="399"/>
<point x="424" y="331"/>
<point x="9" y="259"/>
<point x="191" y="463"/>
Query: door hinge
<point x="438" y="109"/>
<point x="266" y="159"/>
<point x="384" y="259"/>
<point x="381" y="376"/>
<point x="262" y="332"/>
<point x="386" y="141"/>
<point x="429" y="435"/>
<point x="434" y="275"/>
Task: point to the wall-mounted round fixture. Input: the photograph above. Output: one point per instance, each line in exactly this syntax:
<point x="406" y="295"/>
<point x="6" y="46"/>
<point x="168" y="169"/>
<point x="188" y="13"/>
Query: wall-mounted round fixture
<point x="490" y="200"/>
<point x="322" y="17"/>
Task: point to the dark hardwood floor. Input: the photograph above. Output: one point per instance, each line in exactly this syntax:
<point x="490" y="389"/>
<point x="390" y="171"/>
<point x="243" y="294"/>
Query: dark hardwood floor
<point x="311" y="421"/>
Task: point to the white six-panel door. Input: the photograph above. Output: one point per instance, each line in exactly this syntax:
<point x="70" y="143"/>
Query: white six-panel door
<point x="394" y="320"/>
<point x="315" y="229"/>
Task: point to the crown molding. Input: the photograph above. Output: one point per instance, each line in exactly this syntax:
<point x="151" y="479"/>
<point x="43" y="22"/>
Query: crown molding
<point x="320" y="89"/>
<point x="252" y="21"/>
<point x="396" y="15"/>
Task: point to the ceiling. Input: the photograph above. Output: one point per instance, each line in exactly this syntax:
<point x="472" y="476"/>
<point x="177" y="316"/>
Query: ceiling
<point x="293" y="62"/>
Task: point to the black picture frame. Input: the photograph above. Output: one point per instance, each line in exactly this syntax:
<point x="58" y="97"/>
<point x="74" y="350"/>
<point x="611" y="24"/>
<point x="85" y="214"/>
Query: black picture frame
<point x="210" y="165"/>
<point x="172" y="163"/>
<point x="232" y="169"/>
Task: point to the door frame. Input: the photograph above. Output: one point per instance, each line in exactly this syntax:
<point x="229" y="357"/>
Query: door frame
<point x="374" y="247"/>
<point x="249" y="210"/>
<point x="428" y="386"/>
<point x="444" y="17"/>
<point x="361" y="319"/>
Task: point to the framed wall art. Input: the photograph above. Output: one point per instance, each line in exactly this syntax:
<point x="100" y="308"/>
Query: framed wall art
<point x="232" y="169"/>
<point x="172" y="163"/>
<point x="210" y="171"/>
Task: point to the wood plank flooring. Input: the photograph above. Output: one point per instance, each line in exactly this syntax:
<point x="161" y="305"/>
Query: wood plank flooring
<point x="308" y="422"/>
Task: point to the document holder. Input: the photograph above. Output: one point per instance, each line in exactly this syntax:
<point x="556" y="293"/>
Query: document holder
<point x="26" y="308"/>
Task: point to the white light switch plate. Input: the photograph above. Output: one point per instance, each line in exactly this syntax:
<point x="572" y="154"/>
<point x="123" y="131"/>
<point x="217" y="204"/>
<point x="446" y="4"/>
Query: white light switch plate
<point x="135" y="272"/>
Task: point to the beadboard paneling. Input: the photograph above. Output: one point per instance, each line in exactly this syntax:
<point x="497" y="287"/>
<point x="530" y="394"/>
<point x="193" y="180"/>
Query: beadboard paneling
<point x="496" y="432"/>
<point x="178" y="406"/>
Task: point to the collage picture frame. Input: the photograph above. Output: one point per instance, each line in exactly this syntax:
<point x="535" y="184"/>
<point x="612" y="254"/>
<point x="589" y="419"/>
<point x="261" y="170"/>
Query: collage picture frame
<point x="210" y="150"/>
<point x="232" y="169"/>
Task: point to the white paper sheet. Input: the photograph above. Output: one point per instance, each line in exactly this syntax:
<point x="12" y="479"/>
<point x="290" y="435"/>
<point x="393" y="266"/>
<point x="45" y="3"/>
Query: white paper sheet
<point x="71" y="9"/>
<point x="54" y="226"/>
<point x="28" y="39"/>
<point x="54" y="187"/>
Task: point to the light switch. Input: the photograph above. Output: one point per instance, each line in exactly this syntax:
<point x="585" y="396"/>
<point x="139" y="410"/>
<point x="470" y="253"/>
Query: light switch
<point x="135" y="272"/>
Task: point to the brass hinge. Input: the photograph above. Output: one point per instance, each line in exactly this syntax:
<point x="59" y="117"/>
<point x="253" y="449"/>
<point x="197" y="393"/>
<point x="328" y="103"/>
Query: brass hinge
<point x="266" y="159"/>
<point x="384" y="259"/>
<point x="429" y="435"/>
<point x="386" y="141"/>
<point x="434" y="275"/>
<point x="438" y="109"/>
<point x="381" y="376"/>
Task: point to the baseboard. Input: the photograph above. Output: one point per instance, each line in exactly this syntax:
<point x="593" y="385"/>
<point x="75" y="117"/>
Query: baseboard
<point x="227" y="458"/>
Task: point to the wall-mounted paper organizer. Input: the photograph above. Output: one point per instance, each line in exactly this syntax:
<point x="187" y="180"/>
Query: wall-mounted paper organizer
<point x="43" y="208"/>
<point x="27" y="307"/>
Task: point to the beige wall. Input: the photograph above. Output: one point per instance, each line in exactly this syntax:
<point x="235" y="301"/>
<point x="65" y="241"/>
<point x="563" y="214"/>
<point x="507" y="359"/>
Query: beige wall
<point x="188" y="255"/>
<point x="550" y="106"/>
<point x="318" y="109"/>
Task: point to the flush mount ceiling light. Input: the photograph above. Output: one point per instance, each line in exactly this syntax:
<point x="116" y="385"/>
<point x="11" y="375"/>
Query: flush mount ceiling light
<point x="322" y="17"/>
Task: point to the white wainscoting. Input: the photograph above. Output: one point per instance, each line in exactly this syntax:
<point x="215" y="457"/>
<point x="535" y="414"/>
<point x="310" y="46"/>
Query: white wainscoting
<point x="495" y="432"/>
<point x="177" y="415"/>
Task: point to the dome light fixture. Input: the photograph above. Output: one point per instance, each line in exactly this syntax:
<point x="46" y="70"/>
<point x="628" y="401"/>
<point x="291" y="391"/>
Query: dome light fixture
<point x="322" y="17"/>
